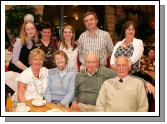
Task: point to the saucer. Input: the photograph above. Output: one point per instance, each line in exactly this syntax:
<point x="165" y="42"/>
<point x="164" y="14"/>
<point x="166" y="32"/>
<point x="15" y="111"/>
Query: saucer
<point x="53" y="110"/>
<point x="26" y="110"/>
<point x="39" y="104"/>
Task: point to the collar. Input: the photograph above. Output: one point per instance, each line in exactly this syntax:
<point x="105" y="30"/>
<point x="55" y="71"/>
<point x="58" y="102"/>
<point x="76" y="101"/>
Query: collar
<point x="92" y="73"/>
<point x="96" y="33"/>
<point x="124" y="79"/>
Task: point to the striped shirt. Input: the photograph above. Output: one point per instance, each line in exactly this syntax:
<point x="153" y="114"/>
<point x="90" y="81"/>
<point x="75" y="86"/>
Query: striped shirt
<point x="101" y="44"/>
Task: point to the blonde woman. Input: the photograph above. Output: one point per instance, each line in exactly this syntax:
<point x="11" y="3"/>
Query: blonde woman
<point x="69" y="46"/>
<point x="32" y="82"/>
<point x="22" y="46"/>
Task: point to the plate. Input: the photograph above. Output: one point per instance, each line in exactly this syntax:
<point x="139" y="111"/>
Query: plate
<point x="26" y="110"/>
<point x="38" y="103"/>
<point x="53" y="110"/>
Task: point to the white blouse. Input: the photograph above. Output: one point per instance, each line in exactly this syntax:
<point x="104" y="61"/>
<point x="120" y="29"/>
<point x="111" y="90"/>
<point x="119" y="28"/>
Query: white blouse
<point x="35" y="86"/>
<point x="72" y="56"/>
<point x="138" y="50"/>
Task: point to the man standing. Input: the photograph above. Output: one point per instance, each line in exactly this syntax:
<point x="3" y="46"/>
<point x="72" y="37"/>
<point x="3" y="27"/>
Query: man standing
<point x="123" y="93"/>
<point x="88" y="83"/>
<point x="94" y="40"/>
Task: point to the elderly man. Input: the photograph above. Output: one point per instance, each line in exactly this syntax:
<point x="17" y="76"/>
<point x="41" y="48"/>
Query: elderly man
<point x="94" y="39"/>
<point x="123" y="93"/>
<point x="88" y="83"/>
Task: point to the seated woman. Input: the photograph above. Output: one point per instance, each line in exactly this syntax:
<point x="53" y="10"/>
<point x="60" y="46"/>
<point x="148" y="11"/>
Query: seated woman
<point x="61" y="81"/>
<point x="32" y="82"/>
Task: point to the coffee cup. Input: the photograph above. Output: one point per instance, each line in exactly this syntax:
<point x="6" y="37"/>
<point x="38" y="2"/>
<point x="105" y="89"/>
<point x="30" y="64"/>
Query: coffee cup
<point x="21" y="107"/>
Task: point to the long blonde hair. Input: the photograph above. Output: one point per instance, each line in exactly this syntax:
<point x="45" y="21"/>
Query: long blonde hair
<point x="23" y="35"/>
<point x="73" y="44"/>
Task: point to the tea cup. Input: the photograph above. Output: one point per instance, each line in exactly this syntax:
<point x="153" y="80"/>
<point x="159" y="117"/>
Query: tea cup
<point x="21" y="107"/>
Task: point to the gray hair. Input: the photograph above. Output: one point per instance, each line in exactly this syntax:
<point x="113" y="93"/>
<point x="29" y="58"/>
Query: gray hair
<point x="93" y="54"/>
<point x="128" y="59"/>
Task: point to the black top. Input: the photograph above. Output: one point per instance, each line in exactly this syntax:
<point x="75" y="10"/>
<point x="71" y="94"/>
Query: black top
<point x="24" y="54"/>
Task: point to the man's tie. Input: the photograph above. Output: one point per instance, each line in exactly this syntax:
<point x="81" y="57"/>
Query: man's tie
<point x="120" y="80"/>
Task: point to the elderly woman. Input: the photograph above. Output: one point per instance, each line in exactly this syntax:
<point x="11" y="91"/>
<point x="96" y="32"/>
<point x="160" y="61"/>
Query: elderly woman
<point x="133" y="49"/>
<point x="22" y="46"/>
<point x="61" y="80"/>
<point x="32" y="82"/>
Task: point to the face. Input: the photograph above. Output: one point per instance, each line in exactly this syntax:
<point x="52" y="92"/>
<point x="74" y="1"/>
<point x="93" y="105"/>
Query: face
<point x="60" y="61"/>
<point x="30" y="30"/>
<point x="130" y="32"/>
<point x="46" y="34"/>
<point x="122" y="67"/>
<point x="91" y="64"/>
<point x="90" y="22"/>
<point x="37" y="62"/>
<point x="151" y="54"/>
<point x="67" y="34"/>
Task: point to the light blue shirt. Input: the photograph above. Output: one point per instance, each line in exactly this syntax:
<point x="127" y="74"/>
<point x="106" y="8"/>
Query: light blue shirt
<point x="60" y="88"/>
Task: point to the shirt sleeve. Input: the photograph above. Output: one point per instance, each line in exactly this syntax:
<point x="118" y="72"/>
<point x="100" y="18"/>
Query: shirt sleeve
<point x="138" y="50"/>
<point x="76" y="87"/>
<point x="70" y="94"/>
<point x="16" y="50"/>
<point x="102" y="99"/>
<point x="47" y="95"/>
<point x="25" y="76"/>
<point x="110" y="45"/>
<point x="142" y="99"/>
<point x="112" y="59"/>
<point x="81" y="59"/>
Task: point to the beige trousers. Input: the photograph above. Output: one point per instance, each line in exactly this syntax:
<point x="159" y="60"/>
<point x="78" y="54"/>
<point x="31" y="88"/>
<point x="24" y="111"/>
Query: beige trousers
<point x="86" y="107"/>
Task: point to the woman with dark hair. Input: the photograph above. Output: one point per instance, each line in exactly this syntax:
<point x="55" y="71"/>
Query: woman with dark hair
<point x="132" y="48"/>
<point x="47" y="44"/>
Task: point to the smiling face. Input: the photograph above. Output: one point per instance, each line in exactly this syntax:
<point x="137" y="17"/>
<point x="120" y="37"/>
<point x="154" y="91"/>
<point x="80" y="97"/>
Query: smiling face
<point x="130" y="32"/>
<point x="67" y="34"/>
<point x="46" y="34"/>
<point x="30" y="30"/>
<point x="90" y="22"/>
<point x="151" y="54"/>
<point x="122" y="66"/>
<point x="37" y="62"/>
<point x="91" y="63"/>
<point x="60" y="61"/>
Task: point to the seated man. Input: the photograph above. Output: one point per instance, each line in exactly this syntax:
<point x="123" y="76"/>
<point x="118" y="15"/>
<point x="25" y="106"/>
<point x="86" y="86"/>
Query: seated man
<point x="89" y="82"/>
<point x="123" y="93"/>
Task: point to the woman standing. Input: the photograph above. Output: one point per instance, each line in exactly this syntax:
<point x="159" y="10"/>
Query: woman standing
<point x="61" y="80"/>
<point x="69" y="46"/>
<point x="32" y="82"/>
<point x="22" y="46"/>
<point x="47" y="44"/>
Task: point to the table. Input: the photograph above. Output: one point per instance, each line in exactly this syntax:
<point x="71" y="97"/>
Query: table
<point x="48" y="106"/>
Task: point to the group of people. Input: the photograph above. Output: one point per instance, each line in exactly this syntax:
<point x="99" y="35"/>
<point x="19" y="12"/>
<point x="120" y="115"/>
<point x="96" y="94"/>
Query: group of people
<point x="52" y="72"/>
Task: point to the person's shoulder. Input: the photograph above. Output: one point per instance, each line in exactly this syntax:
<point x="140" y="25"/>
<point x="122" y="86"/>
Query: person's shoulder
<point x="72" y="71"/>
<point x="44" y="69"/>
<point x="136" y="79"/>
<point x="18" y="41"/>
<point x="83" y="34"/>
<point x="26" y="72"/>
<point x="52" y="71"/>
<point x="136" y="40"/>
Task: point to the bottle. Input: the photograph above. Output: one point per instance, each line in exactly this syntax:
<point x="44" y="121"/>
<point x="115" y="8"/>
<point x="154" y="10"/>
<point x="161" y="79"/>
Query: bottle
<point x="9" y="103"/>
